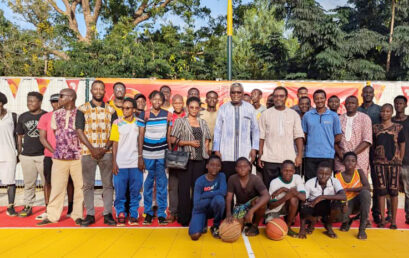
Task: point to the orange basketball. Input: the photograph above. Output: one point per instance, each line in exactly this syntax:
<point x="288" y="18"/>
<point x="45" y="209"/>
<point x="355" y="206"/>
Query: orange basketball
<point x="230" y="232"/>
<point x="276" y="229"/>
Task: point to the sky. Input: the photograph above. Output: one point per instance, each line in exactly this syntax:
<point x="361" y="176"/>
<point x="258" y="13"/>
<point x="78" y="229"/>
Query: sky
<point x="217" y="7"/>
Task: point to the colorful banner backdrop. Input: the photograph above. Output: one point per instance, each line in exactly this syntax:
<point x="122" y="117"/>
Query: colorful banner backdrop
<point x="340" y="89"/>
<point x="73" y="84"/>
<point x="13" y="85"/>
<point x="405" y="90"/>
<point x="42" y="84"/>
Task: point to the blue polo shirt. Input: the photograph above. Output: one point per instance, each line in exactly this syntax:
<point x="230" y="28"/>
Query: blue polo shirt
<point x="321" y="130"/>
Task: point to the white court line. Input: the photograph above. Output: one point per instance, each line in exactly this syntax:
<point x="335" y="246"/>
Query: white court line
<point x="250" y="252"/>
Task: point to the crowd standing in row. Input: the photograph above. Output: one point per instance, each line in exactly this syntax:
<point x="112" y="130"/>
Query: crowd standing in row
<point x="309" y="161"/>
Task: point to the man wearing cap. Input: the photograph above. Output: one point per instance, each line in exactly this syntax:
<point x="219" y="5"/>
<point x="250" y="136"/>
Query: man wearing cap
<point x="47" y="139"/>
<point x="118" y="101"/>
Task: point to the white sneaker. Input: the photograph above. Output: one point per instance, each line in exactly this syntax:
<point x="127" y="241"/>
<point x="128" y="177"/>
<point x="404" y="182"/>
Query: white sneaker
<point x="42" y="216"/>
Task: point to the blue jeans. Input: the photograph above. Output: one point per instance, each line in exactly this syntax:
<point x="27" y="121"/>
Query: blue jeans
<point x="209" y="208"/>
<point x="156" y="171"/>
<point x="134" y="178"/>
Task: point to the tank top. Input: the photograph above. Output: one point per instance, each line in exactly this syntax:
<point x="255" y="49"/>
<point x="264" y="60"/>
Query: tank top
<point x="355" y="183"/>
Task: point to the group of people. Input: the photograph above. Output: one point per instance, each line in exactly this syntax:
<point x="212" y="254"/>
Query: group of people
<point x="246" y="161"/>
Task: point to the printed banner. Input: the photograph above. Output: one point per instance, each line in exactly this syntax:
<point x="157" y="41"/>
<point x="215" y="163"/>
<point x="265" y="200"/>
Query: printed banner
<point x="341" y="89"/>
<point x="73" y="84"/>
<point x="42" y="85"/>
<point x="13" y="85"/>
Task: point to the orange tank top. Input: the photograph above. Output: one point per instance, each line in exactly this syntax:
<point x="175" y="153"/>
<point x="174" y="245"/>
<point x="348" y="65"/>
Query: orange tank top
<point x="355" y="183"/>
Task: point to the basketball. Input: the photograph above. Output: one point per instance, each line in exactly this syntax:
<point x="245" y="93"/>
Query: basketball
<point x="276" y="229"/>
<point x="230" y="232"/>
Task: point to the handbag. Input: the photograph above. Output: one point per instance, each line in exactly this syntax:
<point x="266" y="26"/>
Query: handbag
<point x="176" y="159"/>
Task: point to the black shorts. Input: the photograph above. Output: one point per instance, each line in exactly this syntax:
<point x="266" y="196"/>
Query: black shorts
<point x="322" y="209"/>
<point x="48" y="164"/>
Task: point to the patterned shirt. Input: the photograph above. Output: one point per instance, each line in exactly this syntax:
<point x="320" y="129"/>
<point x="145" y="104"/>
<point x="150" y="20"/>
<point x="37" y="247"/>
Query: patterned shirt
<point x="236" y="132"/>
<point x="96" y="122"/>
<point x="67" y="145"/>
<point x="355" y="130"/>
<point x="184" y="132"/>
<point x="386" y="144"/>
<point x="156" y="129"/>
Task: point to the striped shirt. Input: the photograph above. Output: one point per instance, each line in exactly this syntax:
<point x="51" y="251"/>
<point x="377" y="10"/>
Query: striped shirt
<point x="183" y="131"/>
<point x="236" y="132"/>
<point x="156" y="128"/>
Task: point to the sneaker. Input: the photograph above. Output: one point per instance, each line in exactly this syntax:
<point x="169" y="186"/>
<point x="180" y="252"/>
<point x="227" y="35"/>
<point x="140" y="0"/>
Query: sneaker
<point x="109" y="220"/>
<point x="42" y="216"/>
<point x="406" y="220"/>
<point x="78" y="221"/>
<point x="148" y="220"/>
<point x="11" y="211"/>
<point x="27" y="211"/>
<point x="121" y="220"/>
<point x="45" y="222"/>
<point x="215" y="232"/>
<point x="162" y="221"/>
<point x="133" y="222"/>
<point x="89" y="220"/>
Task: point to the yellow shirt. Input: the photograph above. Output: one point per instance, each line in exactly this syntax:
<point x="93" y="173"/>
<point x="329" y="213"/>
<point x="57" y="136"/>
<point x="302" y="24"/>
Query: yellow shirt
<point x="118" y="110"/>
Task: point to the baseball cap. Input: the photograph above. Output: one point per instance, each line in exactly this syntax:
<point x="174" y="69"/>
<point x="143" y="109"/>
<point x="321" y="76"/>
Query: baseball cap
<point x="54" y="97"/>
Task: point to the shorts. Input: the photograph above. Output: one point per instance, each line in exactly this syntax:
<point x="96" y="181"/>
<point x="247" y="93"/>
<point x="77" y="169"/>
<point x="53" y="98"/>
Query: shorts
<point x="274" y="215"/>
<point x="240" y="210"/>
<point x="387" y="180"/>
<point x="321" y="209"/>
<point x="48" y="164"/>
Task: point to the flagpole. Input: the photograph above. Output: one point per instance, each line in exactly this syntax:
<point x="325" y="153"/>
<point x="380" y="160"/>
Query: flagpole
<point x="229" y="39"/>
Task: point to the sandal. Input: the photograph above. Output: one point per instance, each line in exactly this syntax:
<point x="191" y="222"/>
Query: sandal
<point x="381" y="224"/>
<point x="252" y="231"/>
<point x="393" y="226"/>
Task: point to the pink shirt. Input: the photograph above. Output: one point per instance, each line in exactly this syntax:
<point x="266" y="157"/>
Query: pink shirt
<point x="45" y="124"/>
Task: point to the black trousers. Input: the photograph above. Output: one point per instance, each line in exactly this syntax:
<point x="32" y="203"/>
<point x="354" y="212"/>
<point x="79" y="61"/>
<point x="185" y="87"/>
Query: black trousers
<point x="186" y="186"/>
<point x="270" y="172"/>
<point x="311" y="166"/>
<point x="228" y="168"/>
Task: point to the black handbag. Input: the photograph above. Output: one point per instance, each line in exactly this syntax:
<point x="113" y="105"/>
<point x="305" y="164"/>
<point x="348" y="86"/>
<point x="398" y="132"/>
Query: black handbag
<point x="176" y="159"/>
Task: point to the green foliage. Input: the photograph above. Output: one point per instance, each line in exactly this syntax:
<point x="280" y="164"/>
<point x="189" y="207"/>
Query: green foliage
<point x="279" y="39"/>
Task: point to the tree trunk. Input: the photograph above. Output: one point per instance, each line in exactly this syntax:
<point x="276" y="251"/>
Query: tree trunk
<point x="45" y="64"/>
<point x="388" y="58"/>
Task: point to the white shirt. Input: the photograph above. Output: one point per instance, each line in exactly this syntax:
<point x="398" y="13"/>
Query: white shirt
<point x="279" y="183"/>
<point x="348" y="128"/>
<point x="7" y="143"/>
<point x="126" y="134"/>
<point x="313" y="188"/>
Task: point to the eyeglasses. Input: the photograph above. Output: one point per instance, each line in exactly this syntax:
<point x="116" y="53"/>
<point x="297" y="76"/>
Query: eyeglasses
<point x="62" y="95"/>
<point x="126" y="108"/>
<point x="194" y="108"/>
<point x="236" y="92"/>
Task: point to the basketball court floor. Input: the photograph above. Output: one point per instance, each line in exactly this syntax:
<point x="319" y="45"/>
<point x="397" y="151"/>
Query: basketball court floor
<point x="174" y="242"/>
<point x="20" y="237"/>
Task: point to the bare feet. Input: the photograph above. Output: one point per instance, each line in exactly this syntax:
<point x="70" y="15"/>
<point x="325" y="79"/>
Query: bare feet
<point x="362" y="235"/>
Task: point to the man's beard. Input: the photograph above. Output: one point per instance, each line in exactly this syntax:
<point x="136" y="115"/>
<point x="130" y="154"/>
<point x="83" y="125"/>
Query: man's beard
<point x="99" y="99"/>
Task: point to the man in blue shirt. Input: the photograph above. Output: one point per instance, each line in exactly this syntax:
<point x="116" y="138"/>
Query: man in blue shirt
<point x="323" y="132"/>
<point x="208" y="200"/>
